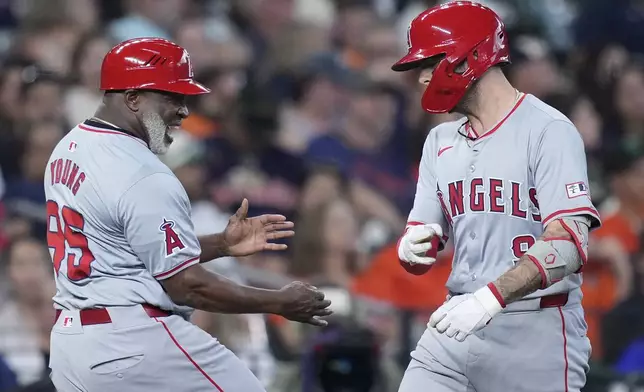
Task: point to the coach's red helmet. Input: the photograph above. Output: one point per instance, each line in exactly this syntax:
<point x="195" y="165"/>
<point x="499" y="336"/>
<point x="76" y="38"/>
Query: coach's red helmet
<point x="150" y="64"/>
<point x="455" y="31"/>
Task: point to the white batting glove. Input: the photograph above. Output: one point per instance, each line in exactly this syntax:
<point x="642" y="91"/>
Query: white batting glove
<point x="465" y="314"/>
<point x="416" y="242"/>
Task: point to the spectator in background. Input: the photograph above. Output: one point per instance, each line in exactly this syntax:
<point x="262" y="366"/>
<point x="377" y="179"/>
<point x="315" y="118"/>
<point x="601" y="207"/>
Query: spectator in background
<point x="623" y="214"/>
<point x="26" y="318"/>
<point x="629" y="104"/>
<point x="25" y="196"/>
<point x="216" y="110"/>
<point x="618" y="22"/>
<point x="322" y="185"/>
<point x="382" y="48"/>
<point x="317" y="102"/>
<point x="15" y="74"/>
<point x="534" y="69"/>
<point x="262" y="21"/>
<point x="42" y="99"/>
<point x="48" y="41"/>
<point x="82" y="98"/>
<point x="354" y="22"/>
<point x="370" y="148"/>
<point x="297" y="49"/>
<point x="608" y="277"/>
<point x="324" y="252"/>
<point x="243" y="161"/>
<point x="82" y="14"/>
<point x="623" y="328"/>
<point x="213" y="43"/>
<point x="148" y="18"/>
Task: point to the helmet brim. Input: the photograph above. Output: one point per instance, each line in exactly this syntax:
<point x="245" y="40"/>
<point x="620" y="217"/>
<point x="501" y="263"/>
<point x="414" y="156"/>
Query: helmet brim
<point x="185" y="87"/>
<point x="415" y="58"/>
<point x="408" y="62"/>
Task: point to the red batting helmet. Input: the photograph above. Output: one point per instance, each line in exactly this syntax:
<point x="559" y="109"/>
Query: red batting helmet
<point x="150" y="64"/>
<point x="459" y="31"/>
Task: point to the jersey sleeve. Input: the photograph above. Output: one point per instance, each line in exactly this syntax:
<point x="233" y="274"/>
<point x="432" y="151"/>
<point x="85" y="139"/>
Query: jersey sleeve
<point x="560" y="174"/>
<point x="428" y="204"/>
<point x="155" y="214"/>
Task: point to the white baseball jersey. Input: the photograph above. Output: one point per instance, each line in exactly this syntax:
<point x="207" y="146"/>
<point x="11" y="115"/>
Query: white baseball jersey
<point x="496" y="193"/>
<point x="118" y="221"/>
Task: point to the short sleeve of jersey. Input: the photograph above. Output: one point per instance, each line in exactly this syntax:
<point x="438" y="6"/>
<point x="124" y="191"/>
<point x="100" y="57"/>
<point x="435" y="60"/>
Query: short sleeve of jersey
<point x="155" y="214"/>
<point x="428" y="205"/>
<point x="560" y="173"/>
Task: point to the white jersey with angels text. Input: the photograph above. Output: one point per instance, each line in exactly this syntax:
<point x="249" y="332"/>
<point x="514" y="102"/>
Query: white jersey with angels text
<point x="496" y="193"/>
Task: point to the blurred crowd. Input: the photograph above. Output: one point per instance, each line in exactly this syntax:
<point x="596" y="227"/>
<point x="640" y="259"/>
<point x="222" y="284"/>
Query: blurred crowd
<point x="306" y="119"/>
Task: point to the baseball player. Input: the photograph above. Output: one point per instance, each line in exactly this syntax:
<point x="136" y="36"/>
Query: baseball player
<point x="125" y="255"/>
<point x="508" y="182"/>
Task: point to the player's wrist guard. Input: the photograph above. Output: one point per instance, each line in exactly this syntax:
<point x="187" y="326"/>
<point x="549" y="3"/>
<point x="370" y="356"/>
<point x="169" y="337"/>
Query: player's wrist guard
<point x="490" y="299"/>
<point x="559" y="257"/>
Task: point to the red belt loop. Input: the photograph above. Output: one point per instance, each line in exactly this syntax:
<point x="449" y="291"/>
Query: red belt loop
<point x="102" y="316"/>
<point x="554" y="300"/>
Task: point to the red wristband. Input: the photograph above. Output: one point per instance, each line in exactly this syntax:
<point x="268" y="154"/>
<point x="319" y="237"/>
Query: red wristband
<point x="496" y="293"/>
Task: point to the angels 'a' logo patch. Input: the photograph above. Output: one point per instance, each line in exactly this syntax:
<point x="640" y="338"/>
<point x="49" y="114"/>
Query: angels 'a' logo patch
<point x="173" y="242"/>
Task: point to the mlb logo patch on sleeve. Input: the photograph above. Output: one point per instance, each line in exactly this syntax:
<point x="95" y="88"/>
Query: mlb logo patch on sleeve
<point x="576" y="189"/>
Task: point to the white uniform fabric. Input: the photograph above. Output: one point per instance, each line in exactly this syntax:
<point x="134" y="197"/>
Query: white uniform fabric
<point x="119" y="223"/>
<point x="494" y="195"/>
<point x="128" y="204"/>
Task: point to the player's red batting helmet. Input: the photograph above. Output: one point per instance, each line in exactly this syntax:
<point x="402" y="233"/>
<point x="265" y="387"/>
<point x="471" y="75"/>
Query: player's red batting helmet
<point x="150" y="64"/>
<point x="459" y="31"/>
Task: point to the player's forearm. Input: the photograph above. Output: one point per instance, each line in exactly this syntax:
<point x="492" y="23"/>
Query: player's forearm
<point x="201" y="289"/>
<point x="225" y="296"/>
<point x="523" y="279"/>
<point x="213" y="247"/>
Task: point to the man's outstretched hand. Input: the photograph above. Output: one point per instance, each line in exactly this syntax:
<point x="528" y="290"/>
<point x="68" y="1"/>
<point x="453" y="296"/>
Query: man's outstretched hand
<point x="245" y="236"/>
<point x="304" y="303"/>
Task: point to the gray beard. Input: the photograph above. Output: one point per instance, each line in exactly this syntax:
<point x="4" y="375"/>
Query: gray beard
<point x="159" y="141"/>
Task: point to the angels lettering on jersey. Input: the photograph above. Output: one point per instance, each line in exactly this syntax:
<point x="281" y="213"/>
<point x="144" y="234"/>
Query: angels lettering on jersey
<point x="491" y="195"/>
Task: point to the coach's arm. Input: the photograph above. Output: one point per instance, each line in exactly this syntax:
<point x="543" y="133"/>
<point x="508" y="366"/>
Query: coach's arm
<point x="201" y="289"/>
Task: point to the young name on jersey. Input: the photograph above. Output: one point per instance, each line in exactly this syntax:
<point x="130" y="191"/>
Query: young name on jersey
<point x="68" y="173"/>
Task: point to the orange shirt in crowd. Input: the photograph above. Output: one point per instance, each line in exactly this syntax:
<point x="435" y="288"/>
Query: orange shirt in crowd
<point x="386" y="280"/>
<point x="617" y="225"/>
<point x="199" y="126"/>
<point x="599" y="286"/>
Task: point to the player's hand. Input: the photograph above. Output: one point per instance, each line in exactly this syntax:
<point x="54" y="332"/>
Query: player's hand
<point x="417" y="241"/>
<point x="246" y="236"/>
<point x="305" y="304"/>
<point x="465" y="314"/>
